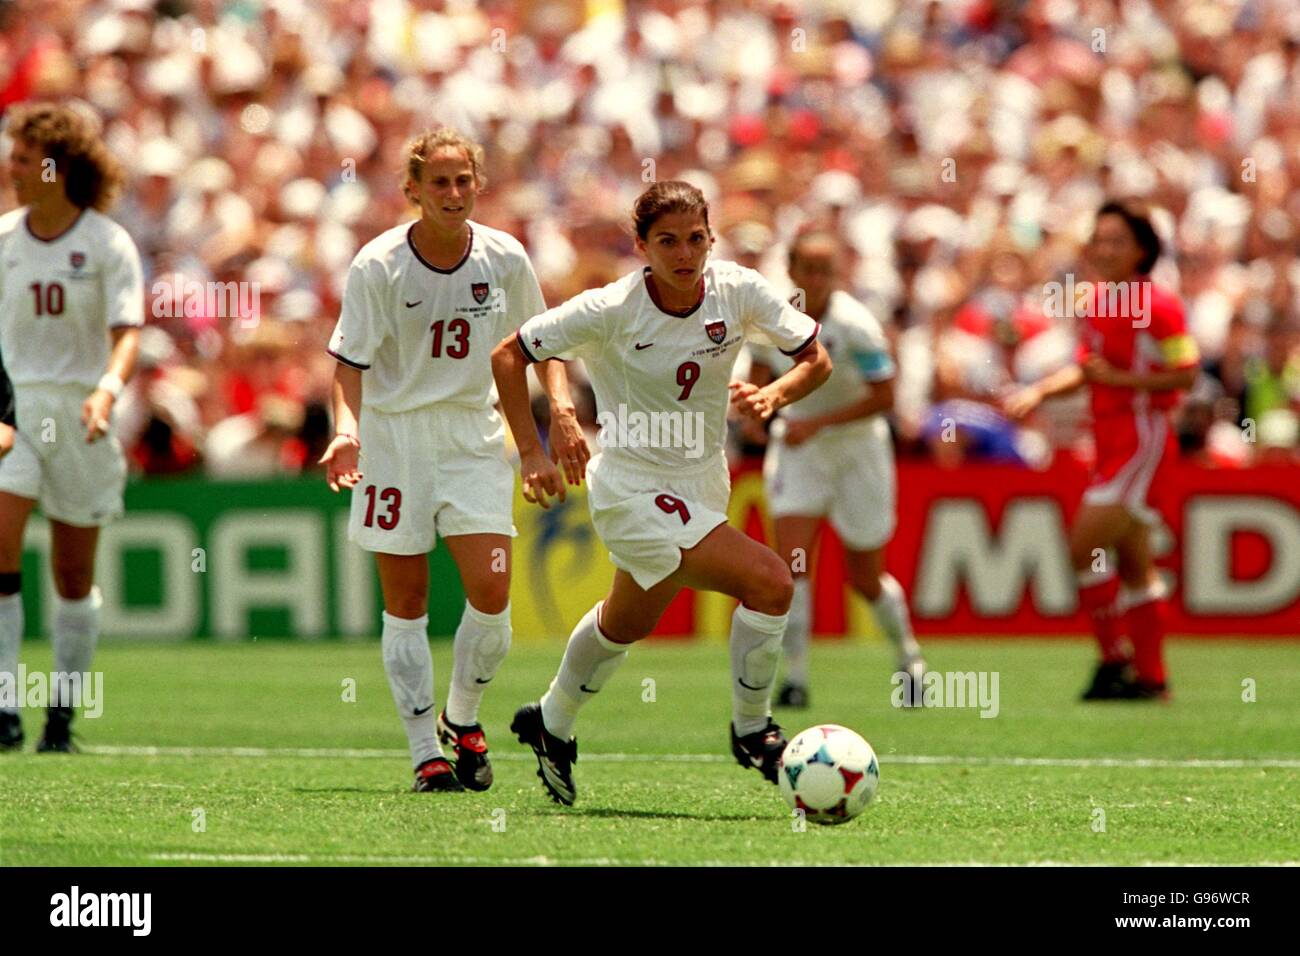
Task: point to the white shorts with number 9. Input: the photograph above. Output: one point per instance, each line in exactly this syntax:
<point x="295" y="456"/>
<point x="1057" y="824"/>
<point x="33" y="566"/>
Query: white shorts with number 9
<point x="434" y="471"/>
<point x="646" y="517"/>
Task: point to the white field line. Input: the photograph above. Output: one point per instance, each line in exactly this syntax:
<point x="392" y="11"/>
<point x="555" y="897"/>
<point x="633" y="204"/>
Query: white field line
<point x="450" y="860"/>
<point x="1286" y="763"/>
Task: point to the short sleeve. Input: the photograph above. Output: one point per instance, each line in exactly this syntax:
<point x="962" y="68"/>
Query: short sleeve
<point x="524" y="297"/>
<point x="575" y="329"/>
<point x="869" y="350"/>
<point x="1169" y="329"/>
<point x="770" y="320"/>
<point x="123" y="280"/>
<point x="357" y="334"/>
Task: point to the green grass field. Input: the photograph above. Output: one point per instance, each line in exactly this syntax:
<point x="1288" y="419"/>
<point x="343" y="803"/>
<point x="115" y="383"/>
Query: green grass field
<point x="256" y="741"/>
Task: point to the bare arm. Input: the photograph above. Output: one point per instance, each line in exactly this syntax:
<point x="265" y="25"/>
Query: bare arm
<point x="811" y="368"/>
<point x="509" y="369"/>
<point x="98" y="406"/>
<point x="568" y="445"/>
<point x="342" y="457"/>
<point x="1062" y="381"/>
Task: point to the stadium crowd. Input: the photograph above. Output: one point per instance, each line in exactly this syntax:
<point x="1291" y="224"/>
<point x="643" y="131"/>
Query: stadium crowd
<point x="960" y="148"/>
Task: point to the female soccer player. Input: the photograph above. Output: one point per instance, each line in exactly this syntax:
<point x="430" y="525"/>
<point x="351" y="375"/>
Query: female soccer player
<point x="70" y="283"/>
<point x="1136" y="355"/>
<point x="419" y="440"/>
<point x="659" y="345"/>
<point x="831" y="456"/>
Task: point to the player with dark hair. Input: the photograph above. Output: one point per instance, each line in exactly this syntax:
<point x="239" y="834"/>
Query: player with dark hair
<point x="71" y="307"/>
<point x="1136" y="357"/>
<point x="659" y="346"/>
<point x="830" y="456"/>
<point x="418" y="439"/>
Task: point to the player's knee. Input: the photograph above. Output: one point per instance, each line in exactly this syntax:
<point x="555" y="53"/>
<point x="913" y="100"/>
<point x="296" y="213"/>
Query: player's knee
<point x="770" y="588"/>
<point x="490" y="597"/>
<point x="73" y="580"/>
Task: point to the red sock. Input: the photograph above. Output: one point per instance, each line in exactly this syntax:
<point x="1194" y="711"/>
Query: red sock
<point x="1098" y="602"/>
<point x="1146" y="628"/>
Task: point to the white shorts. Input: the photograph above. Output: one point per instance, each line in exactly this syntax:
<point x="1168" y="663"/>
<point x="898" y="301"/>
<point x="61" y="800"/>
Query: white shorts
<point x="434" y="471"/>
<point x="844" y="473"/>
<point x="74" y="482"/>
<point x="646" y="517"/>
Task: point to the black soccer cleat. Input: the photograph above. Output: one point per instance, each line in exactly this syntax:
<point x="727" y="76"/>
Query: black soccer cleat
<point x="1111" y="681"/>
<point x="555" y="757"/>
<point x="794" y="696"/>
<point x="57" y="738"/>
<point x="469" y="751"/>
<point x="1145" y="690"/>
<point x="436" y="776"/>
<point x="761" y="750"/>
<point x="11" y="732"/>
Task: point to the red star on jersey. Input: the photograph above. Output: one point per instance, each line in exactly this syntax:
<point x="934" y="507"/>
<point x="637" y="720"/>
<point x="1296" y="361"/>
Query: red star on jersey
<point x="537" y="343"/>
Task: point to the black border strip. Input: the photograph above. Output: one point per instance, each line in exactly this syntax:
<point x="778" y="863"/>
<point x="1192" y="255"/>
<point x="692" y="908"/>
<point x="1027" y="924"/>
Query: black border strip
<point x="348" y="361"/>
<point x="807" y="342"/>
<point x="429" y="265"/>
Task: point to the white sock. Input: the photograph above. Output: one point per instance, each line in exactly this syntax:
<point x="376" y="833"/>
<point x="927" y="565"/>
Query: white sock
<point x="798" y="632"/>
<point x="75" y="634"/>
<point x="755" y="653"/>
<point x="590" y="659"/>
<point x="891" y="613"/>
<point x="11" y="636"/>
<point x="409" y="667"/>
<point x="482" y="641"/>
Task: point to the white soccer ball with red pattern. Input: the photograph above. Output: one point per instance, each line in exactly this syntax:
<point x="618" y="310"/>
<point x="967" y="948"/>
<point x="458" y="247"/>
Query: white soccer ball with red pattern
<point x="828" y="772"/>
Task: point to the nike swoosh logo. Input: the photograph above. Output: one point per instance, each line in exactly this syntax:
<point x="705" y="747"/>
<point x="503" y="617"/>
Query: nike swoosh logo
<point x="639" y="346"/>
<point x="584" y="687"/>
<point x="412" y="305"/>
<point x="479" y="680"/>
<point x="743" y="684"/>
<point x="424" y="710"/>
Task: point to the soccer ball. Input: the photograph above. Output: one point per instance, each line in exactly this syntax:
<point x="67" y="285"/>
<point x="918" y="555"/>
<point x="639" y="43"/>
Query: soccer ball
<point x="828" y="772"/>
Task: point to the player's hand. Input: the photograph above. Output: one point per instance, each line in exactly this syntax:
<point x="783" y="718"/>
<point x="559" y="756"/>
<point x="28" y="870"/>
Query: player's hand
<point x="6" y="439"/>
<point x="95" y="413"/>
<point x="798" y="432"/>
<point x="1100" y="372"/>
<point x="751" y="402"/>
<point x="342" y="460"/>
<point x="541" y="478"/>
<point x="569" y="446"/>
<point x="1021" y="402"/>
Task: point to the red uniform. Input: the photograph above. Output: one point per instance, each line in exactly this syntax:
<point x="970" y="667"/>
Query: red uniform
<point x="1140" y="330"/>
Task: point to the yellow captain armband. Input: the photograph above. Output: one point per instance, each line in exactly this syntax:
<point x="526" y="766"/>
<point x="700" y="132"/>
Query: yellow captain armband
<point x="1179" y="351"/>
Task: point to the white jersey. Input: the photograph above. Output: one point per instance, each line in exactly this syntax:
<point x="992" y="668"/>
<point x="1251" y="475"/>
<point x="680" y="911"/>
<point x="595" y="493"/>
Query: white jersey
<point x="425" y="335"/>
<point x="644" y="362"/>
<point x="859" y="353"/>
<point x="59" y="298"/>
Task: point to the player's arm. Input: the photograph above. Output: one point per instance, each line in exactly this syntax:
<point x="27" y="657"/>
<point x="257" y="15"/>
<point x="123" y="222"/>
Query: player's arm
<point x="1179" y="358"/>
<point x="98" y="407"/>
<point x="812" y="367"/>
<point x="8" y="423"/>
<point x="1061" y="382"/>
<point x="568" y="445"/>
<point x="510" y="370"/>
<point x="342" y="457"/>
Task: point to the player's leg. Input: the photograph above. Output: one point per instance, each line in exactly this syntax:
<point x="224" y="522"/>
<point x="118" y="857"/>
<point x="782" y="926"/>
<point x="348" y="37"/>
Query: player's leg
<point x="14" y="511"/>
<point x="598" y="645"/>
<point x="733" y="563"/>
<point x="1142" y="598"/>
<point x="481" y="643"/>
<point x="76" y="625"/>
<point x="1096" y="530"/>
<point x="404" y="580"/>
<point x="796" y="537"/>
<point x="867" y="574"/>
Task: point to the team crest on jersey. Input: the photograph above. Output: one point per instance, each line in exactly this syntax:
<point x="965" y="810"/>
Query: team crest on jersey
<point x="480" y="290"/>
<point x="717" y="332"/>
<point x="77" y="259"/>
